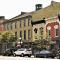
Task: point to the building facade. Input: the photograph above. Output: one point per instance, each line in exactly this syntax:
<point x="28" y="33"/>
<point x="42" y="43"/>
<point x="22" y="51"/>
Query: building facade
<point x="50" y="29"/>
<point x="2" y="19"/>
<point x="39" y="30"/>
<point x="20" y="26"/>
<point x="43" y="23"/>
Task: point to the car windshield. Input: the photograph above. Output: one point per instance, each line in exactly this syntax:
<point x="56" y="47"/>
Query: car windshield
<point x="45" y="52"/>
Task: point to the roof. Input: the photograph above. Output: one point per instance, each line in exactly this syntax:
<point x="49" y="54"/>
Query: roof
<point x="21" y="15"/>
<point x="52" y="10"/>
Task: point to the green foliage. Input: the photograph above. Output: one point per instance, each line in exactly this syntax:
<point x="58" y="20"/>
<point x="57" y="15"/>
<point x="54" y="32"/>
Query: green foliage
<point x="40" y="44"/>
<point x="8" y="37"/>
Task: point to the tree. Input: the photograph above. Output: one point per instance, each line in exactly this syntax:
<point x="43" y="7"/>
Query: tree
<point x="40" y="44"/>
<point x="8" y="37"/>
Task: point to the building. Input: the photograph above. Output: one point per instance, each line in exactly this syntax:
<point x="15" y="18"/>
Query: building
<point x="2" y="19"/>
<point x="46" y="22"/>
<point x="39" y="30"/>
<point x="20" y="26"/>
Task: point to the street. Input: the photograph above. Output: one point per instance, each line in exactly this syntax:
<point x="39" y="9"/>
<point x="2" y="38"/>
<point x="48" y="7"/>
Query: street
<point x="23" y="58"/>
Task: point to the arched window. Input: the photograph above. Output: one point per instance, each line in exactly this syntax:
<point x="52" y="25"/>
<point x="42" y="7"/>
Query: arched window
<point x="35" y="30"/>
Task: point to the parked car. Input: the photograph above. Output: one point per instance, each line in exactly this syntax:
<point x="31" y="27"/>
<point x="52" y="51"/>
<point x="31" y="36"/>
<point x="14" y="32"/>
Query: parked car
<point x="58" y="54"/>
<point x="9" y="51"/>
<point x="43" y="54"/>
<point x="23" y="52"/>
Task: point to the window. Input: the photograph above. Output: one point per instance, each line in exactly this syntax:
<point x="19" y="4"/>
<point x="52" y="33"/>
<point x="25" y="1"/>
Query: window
<point x="7" y="26"/>
<point x="41" y="31"/>
<point x="29" y="22"/>
<point x="4" y="27"/>
<point x="16" y="34"/>
<point x="29" y="36"/>
<point x="15" y="25"/>
<point x="24" y="35"/>
<point x="35" y="30"/>
<point x="21" y="34"/>
<point x="56" y="32"/>
<point x="24" y="22"/>
<point x="11" y="26"/>
<point x="20" y="22"/>
<point x="49" y="33"/>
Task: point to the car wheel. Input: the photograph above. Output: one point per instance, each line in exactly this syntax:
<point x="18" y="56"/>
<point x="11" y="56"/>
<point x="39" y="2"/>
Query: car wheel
<point x="14" y="54"/>
<point x="22" y="55"/>
<point x="29" y="55"/>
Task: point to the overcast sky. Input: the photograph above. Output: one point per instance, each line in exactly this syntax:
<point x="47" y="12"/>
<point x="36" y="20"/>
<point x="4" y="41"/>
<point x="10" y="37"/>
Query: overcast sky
<point x="12" y="8"/>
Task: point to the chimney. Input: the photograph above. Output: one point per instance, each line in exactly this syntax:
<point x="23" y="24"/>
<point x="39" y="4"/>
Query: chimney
<point x="23" y="13"/>
<point x="38" y="6"/>
<point x="2" y="17"/>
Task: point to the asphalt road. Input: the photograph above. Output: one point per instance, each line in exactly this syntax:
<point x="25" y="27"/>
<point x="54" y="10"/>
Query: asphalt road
<point x="23" y="58"/>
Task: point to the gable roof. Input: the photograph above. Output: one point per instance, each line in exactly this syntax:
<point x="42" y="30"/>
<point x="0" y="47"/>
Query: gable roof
<point x="52" y="10"/>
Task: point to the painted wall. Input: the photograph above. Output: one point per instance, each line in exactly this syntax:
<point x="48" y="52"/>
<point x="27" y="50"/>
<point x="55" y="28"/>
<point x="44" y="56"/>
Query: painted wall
<point x="52" y="24"/>
<point x="37" y="36"/>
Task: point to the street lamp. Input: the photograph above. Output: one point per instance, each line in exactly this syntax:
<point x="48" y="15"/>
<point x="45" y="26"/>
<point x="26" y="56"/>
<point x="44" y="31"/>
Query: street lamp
<point x="20" y="40"/>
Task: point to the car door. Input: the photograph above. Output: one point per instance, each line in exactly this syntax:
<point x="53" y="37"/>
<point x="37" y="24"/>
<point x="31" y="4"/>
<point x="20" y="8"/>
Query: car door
<point x="19" y="52"/>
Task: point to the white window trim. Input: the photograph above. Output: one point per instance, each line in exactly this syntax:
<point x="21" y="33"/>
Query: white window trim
<point x="48" y="28"/>
<point x="56" y="26"/>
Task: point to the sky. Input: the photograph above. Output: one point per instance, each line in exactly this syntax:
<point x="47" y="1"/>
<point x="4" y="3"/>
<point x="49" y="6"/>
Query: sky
<point x="12" y="8"/>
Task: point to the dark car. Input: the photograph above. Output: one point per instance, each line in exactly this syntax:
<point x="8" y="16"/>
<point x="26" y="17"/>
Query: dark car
<point x="43" y="54"/>
<point x="9" y="51"/>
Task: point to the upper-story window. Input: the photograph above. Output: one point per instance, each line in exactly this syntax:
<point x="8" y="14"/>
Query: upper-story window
<point x="21" y="34"/>
<point x="16" y="34"/>
<point x="56" y="30"/>
<point x="7" y="26"/>
<point x="24" y="22"/>
<point x="35" y="30"/>
<point x="11" y="26"/>
<point x="15" y="25"/>
<point x="20" y="23"/>
<point x="49" y="31"/>
<point x="4" y="26"/>
<point x="41" y="31"/>
<point x="29" y="34"/>
<point x="29" y="22"/>
<point x="24" y="34"/>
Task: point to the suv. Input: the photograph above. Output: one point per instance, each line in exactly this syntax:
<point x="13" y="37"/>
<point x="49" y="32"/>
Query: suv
<point x="23" y="52"/>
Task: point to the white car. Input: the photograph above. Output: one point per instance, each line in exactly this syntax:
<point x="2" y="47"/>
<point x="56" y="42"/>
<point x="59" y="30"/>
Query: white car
<point x="23" y="52"/>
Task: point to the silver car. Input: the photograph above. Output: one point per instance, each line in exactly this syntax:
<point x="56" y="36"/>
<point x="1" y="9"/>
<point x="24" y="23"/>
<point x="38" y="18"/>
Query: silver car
<point x="23" y="52"/>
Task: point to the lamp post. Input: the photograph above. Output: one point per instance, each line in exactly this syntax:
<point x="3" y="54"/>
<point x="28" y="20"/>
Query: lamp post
<point x="20" y="40"/>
